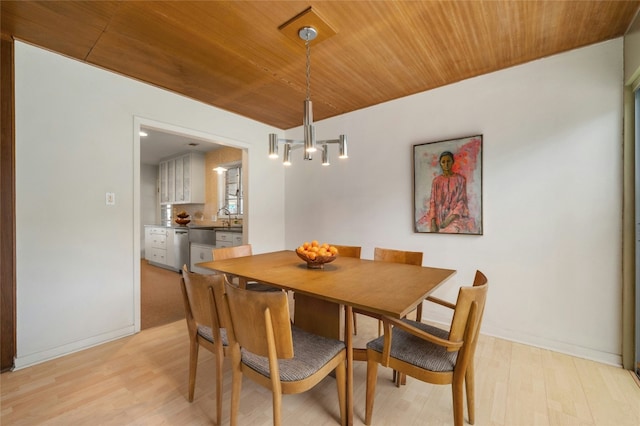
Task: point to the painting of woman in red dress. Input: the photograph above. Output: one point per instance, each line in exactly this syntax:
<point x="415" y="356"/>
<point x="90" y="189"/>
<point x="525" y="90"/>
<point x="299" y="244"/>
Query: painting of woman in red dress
<point x="447" y="208"/>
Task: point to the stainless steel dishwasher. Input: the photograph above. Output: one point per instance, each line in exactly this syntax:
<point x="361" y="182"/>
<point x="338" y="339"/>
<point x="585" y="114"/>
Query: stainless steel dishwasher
<point x="180" y="248"/>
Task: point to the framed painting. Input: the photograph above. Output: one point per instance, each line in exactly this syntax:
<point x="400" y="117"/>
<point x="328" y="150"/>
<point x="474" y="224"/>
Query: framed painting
<point x="447" y="186"/>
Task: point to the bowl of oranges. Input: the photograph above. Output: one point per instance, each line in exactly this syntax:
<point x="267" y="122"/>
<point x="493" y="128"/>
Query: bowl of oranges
<point x="316" y="254"/>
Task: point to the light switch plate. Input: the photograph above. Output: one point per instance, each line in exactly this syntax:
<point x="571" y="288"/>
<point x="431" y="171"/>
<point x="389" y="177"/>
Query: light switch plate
<point x="111" y="198"/>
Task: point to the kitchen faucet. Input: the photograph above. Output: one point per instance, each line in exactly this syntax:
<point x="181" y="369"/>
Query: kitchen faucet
<point x="228" y="213"/>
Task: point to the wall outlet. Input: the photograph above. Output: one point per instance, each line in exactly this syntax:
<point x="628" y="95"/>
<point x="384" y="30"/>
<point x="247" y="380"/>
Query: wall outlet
<point x="214" y="218"/>
<point x="111" y="198"/>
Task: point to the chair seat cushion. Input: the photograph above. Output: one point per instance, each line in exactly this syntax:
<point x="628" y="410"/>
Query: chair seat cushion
<point x="416" y="351"/>
<point x="206" y="332"/>
<point x="311" y="352"/>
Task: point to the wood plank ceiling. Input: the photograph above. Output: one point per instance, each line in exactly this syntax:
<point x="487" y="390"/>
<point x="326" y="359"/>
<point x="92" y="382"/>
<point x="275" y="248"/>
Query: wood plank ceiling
<point x="232" y="55"/>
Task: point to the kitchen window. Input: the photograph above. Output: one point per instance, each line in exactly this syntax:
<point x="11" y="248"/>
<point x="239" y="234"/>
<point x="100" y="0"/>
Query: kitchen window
<point x="230" y="189"/>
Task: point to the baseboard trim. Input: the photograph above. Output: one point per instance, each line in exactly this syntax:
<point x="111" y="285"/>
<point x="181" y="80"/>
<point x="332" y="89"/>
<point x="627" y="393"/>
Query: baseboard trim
<point x="40" y="357"/>
<point x="544" y="343"/>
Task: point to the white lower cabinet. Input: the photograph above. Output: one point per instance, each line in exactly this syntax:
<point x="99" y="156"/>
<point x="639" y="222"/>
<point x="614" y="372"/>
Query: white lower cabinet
<point x="156" y="242"/>
<point x="200" y="253"/>
<point x="228" y="239"/>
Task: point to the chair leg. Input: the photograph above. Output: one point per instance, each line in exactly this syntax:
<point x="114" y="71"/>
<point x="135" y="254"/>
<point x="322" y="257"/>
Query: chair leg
<point x="341" y="381"/>
<point x="399" y="378"/>
<point x="236" y="387"/>
<point x="219" y="361"/>
<point x="355" y="325"/>
<point x="419" y="313"/>
<point x="193" y="365"/>
<point x="372" y="376"/>
<point x="277" y="406"/>
<point x="458" y="401"/>
<point x="469" y="381"/>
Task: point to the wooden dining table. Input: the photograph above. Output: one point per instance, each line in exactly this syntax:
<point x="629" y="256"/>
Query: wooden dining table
<point x="381" y="288"/>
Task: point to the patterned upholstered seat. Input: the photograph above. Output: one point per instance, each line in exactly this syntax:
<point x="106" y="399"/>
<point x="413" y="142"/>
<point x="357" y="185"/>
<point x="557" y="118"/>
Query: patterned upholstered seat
<point x="206" y="333"/>
<point x="310" y="353"/>
<point x="416" y="351"/>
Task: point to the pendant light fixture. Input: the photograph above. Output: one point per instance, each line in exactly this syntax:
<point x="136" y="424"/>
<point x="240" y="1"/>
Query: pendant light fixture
<point x="307" y="33"/>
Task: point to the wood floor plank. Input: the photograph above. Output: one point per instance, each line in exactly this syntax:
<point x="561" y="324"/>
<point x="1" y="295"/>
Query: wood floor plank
<point x="526" y="397"/>
<point x="611" y="397"/>
<point x="142" y="380"/>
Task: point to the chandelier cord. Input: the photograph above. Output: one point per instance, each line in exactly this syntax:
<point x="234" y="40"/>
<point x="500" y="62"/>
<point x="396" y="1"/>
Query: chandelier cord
<point x="308" y="70"/>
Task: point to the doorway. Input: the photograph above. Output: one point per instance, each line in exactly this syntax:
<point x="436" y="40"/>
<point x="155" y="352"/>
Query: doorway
<point x="158" y="297"/>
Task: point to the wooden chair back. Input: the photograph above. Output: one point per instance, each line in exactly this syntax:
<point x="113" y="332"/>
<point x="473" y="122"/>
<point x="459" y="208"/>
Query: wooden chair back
<point x="477" y="294"/>
<point x="200" y="306"/>
<point x="397" y="256"/>
<point x="224" y="253"/>
<point x="261" y="322"/>
<point x="479" y="279"/>
<point x="348" y="251"/>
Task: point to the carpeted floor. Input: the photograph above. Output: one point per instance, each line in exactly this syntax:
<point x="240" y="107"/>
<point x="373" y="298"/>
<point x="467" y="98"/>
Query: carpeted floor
<point x="160" y="296"/>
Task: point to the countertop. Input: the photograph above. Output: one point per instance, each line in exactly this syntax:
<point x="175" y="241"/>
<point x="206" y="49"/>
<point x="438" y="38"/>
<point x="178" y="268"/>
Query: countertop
<point x="190" y="226"/>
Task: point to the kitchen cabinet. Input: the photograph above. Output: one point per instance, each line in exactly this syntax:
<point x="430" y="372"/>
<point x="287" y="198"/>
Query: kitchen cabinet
<point x="201" y="253"/>
<point x="157" y="244"/>
<point x="228" y="239"/>
<point x="182" y="179"/>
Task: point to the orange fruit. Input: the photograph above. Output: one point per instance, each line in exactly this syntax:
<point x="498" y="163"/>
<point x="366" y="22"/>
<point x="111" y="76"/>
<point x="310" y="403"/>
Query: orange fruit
<point x="314" y="243"/>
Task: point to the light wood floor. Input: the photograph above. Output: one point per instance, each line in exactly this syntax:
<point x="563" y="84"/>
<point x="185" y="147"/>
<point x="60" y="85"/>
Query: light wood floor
<point x="142" y="380"/>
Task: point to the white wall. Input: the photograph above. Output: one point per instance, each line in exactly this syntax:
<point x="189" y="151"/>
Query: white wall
<point x="552" y="194"/>
<point x="78" y="259"/>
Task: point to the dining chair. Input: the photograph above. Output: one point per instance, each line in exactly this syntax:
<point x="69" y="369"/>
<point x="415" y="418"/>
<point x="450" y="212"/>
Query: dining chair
<point x="240" y="251"/>
<point x="479" y="279"/>
<point x="205" y="326"/>
<point x="431" y="354"/>
<point x="267" y="349"/>
<point x="394" y="256"/>
<point x="348" y="251"/>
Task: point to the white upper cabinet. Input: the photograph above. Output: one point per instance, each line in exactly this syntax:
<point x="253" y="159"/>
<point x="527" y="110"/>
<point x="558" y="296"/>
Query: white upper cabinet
<point x="182" y="179"/>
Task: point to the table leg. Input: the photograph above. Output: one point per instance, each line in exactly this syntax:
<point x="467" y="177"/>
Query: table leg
<point x="348" y="331"/>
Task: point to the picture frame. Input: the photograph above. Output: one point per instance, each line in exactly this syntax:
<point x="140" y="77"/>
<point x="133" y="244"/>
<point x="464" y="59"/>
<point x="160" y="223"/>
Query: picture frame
<point x="447" y="186"/>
